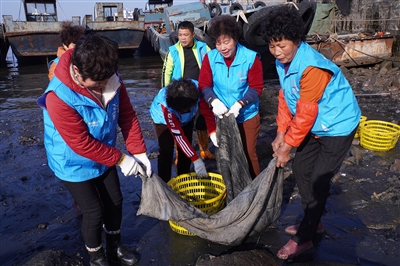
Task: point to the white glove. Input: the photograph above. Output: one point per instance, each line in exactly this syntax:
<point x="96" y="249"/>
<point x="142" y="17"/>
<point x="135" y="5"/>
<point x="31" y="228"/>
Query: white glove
<point x="129" y="166"/>
<point x="219" y="108"/>
<point x="213" y="137"/>
<point x="235" y="109"/>
<point x="143" y="159"/>
<point x="200" y="168"/>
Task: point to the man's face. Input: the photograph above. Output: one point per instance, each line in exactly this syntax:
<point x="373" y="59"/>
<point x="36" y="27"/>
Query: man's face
<point x="186" y="37"/>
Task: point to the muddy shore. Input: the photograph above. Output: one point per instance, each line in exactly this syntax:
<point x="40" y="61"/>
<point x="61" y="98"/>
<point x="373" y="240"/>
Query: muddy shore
<point x="40" y="225"/>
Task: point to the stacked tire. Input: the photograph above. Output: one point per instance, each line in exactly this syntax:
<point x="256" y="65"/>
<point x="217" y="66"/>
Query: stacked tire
<point x="252" y="30"/>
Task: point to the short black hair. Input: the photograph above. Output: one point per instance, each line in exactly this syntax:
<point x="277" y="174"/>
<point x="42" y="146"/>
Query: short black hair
<point x="283" y="23"/>
<point x="223" y="25"/>
<point x="182" y="94"/>
<point x="96" y="57"/>
<point x="186" y="25"/>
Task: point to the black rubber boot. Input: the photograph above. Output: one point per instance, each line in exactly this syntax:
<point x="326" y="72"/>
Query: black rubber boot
<point x="97" y="258"/>
<point x="117" y="253"/>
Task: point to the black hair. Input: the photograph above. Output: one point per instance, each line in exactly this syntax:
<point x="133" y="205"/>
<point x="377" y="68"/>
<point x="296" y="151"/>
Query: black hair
<point x="223" y="25"/>
<point x="71" y="33"/>
<point x="96" y="57"/>
<point x="182" y="94"/>
<point x="186" y="25"/>
<point x="283" y="23"/>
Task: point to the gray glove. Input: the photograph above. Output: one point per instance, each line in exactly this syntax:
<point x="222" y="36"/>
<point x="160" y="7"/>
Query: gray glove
<point x="200" y="168"/>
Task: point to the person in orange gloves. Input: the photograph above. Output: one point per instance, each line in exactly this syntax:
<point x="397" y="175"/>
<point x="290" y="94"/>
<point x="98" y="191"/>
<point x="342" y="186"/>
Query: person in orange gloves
<point x="173" y="111"/>
<point x="318" y="115"/>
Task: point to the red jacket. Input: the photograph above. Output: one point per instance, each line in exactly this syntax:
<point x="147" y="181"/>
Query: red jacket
<point x="73" y="129"/>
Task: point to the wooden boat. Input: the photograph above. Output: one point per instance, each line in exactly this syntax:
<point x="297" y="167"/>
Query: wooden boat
<point x="109" y="20"/>
<point x="36" y="39"/>
<point x="351" y="50"/>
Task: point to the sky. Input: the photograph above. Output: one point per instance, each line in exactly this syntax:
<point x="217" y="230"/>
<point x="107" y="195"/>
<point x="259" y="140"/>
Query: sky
<point x="68" y="8"/>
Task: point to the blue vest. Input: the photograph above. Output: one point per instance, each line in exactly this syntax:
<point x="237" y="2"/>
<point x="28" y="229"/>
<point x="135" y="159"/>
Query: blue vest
<point x="157" y="114"/>
<point x="201" y="49"/>
<point x="230" y="84"/>
<point x="338" y="110"/>
<point x="101" y="124"/>
<point x="55" y="60"/>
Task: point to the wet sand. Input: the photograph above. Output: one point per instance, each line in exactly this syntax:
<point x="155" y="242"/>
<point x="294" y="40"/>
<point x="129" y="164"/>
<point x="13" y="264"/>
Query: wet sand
<point x="40" y="223"/>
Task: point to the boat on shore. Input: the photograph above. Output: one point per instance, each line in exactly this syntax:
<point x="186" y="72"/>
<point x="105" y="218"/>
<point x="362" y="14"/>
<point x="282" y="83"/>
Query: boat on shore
<point x="111" y="21"/>
<point x="35" y="40"/>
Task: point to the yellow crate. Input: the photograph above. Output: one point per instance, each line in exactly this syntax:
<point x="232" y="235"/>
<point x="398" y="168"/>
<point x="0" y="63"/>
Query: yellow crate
<point x="207" y="195"/>
<point x="379" y="135"/>
<point x="362" y="119"/>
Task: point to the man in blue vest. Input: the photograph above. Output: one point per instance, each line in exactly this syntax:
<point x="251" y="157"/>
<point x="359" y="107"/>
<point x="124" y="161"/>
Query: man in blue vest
<point x="184" y="60"/>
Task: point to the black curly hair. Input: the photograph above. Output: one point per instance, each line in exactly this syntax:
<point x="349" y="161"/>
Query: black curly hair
<point x="283" y="23"/>
<point x="223" y="25"/>
<point x="71" y="33"/>
<point x="182" y="94"/>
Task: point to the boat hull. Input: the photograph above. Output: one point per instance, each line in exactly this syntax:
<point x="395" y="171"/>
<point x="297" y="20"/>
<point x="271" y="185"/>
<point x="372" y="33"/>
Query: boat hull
<point x="355" y="50"/>
<point x="33" y="38"/>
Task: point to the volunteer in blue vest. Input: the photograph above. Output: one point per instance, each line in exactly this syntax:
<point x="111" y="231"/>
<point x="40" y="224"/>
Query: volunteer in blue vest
<point x="83" y="106"/>
<point x="173" y="110"/>
<point x="318" y="115"/>
<point x="69" y="35"/>
<point x="231" y="80"/>
<point x="184" y="59"/>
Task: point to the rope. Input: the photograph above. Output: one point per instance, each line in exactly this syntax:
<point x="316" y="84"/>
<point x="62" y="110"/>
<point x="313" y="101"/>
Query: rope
<point x="19" y="13"/>
<point x="59" y="5"/>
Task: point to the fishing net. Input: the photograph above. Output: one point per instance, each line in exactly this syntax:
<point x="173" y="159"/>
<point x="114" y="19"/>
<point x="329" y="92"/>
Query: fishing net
<point x="252" y="205"/>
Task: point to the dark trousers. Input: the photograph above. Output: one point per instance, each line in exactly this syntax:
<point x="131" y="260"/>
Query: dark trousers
<point x="249" y="130"/>
<point x="316" y="161"/>
<point x="100" y="200"/>
<point x="166" y="150"/>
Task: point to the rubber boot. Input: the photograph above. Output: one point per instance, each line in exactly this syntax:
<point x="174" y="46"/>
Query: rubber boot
<point x="97" y="258"/>
<point x="116" y="252"/>
<point x="202" y="140"/>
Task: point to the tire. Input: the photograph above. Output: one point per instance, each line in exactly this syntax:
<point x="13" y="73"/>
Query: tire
<point x="235" y="7"/>
<point x="202" y="36"/>
<point x="173" y="37"/>
<point x="240" y="25"/>
<point x="258" y="4"/>
<point x="307" y="13"/>
<point x="215" y="9"/>
<point x="251" y="30"/>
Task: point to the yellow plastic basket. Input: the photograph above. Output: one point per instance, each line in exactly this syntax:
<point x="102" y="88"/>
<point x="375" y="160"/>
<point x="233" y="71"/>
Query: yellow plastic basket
<point x="207" y="195"/>
<point x="362" y="119"/>
<point x="379" y="135"/>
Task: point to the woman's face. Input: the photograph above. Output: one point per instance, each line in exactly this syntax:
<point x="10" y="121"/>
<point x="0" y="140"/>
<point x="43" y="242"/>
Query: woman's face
<point x="226" y="46"/>
<point x="283" y="50"/>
